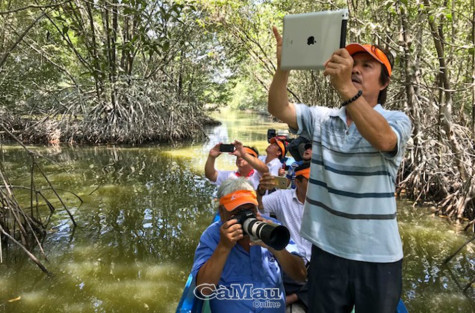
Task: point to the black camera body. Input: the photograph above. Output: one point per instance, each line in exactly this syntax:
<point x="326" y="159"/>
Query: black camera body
<point x="275" y="236"/>
<point x="226" y="147"/>
<point x="271" y="133"/>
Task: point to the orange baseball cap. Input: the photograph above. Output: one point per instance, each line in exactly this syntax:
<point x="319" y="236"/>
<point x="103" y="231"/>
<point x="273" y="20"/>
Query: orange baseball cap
<point x="234" y="199"/>
<point x="305" y="173"/>
<point x="250" y="151"/>
<point x="281" y="145"/>
<point x="376" y="53"/>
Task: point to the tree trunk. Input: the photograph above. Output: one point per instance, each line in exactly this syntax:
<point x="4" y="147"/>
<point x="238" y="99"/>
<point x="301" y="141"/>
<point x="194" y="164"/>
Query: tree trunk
<point x="473" y="71"/>
<point x="5" y="20"/>
<point x="95" y="61"/>
<point x="113" y="65"/>
<point x="446" y="99"/>
<point x="410" y="78"/>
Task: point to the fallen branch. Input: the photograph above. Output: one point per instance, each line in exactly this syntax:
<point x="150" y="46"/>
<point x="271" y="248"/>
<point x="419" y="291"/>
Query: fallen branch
<point x="30" y="255"/>
<point x="447" y="260"/>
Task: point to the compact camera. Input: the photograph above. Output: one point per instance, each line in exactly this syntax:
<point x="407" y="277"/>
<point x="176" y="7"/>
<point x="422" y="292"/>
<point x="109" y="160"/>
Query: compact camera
<point x="225" y="147"/>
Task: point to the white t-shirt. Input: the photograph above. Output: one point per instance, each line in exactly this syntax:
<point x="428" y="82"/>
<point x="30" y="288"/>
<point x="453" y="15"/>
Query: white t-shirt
<point x="253" y="178"/>
<point x="288" y="210"/>
<point x="273" y="165"/>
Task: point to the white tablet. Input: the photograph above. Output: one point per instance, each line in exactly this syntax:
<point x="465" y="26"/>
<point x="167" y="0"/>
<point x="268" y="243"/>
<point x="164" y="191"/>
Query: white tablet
<point x="309" y="39"/>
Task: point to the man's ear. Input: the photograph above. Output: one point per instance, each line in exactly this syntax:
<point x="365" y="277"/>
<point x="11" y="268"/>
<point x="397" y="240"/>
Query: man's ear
<point x="221" y="210"/>
<point x="385" y="85"/>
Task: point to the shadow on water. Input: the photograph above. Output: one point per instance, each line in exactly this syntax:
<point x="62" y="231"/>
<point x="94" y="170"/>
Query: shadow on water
<point x="142" y="214"/>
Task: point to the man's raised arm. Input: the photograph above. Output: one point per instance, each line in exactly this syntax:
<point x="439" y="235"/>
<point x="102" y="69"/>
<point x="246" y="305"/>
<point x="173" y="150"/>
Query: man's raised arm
<point x="210" y="172"/>
<point x="278" y="101"/>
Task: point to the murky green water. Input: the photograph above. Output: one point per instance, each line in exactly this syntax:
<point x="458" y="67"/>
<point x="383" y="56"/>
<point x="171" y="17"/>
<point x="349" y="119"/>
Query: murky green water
<point x="142" y="213"/>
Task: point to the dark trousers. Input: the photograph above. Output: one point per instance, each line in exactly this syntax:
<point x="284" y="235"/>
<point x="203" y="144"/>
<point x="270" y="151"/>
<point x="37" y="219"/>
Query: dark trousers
<point x="337" y="284"/>
<point x="299" y="288"/>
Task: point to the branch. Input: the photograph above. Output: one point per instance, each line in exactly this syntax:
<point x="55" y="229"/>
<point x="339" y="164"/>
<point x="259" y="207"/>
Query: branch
<point x="45" y="55"/>
<point x="32" y="6"/>
<point x="30" y="255"/>
<point x="447" y="260"/>
<point x="32" y="154"/>
<point x="4" y="59"/>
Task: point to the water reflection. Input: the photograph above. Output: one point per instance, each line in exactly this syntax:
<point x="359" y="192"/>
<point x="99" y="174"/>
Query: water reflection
<point x="142" y="214"/>
<point x="428" y="284"/>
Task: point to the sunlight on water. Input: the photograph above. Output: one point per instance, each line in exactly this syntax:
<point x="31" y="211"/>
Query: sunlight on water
<point x="4" y="286"/>
<point x="248" y="128"/>
<point x="34" y="298"/>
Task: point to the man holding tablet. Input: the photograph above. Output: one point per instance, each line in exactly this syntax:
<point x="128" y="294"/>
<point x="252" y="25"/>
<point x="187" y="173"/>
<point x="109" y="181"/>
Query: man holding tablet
<point x="350" y="209"/>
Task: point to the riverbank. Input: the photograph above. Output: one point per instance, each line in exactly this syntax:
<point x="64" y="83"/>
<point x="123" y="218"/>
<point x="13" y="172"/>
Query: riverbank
<point x="170" y="127"/>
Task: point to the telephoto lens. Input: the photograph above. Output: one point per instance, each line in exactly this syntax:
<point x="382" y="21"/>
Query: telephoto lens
<point x="275" y="236"/>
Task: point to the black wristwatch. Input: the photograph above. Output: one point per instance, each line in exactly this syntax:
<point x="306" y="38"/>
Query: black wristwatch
<point x="259" y="192"/>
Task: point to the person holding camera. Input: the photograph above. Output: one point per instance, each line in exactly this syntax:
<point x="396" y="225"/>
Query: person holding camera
<point x="238" y="275"/>
<point x="275" y="153"/>
<point x="287" y="205"/>
<point x="350" y="209"/>
<point x="307" y="152"/>
<point x="248" y="164"/>
<point x="305" y="158"/>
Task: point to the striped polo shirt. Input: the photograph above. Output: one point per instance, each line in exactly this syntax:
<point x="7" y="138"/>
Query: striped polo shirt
<point x="350" y="209"/>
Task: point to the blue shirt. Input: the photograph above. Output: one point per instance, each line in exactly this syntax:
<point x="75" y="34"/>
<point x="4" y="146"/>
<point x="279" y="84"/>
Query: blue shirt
<point x="350" y="209"/>
<point x="250" y="281"/>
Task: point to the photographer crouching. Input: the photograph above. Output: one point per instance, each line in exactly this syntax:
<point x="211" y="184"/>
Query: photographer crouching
<point x="236" y="273"/>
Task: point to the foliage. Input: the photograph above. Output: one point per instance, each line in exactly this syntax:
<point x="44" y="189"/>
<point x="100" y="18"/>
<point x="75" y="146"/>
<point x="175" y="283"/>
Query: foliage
<point x="245" y="95"/>
<point x="136" y="70"/>
<point x="106" y="66"/>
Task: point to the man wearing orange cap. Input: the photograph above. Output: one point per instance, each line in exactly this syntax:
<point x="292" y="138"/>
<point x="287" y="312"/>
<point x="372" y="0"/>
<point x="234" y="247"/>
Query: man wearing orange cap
<point x="287" y="205"/>
<point x="350" y="209"/>
<point x="234" y="273"/>
<point x="305" y="151"/>
<point x="275" y="151"/>
<point x="247" y="163"/>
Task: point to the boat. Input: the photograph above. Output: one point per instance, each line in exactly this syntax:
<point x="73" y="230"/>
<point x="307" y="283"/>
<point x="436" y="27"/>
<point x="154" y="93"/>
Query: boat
<point x="188" y="302"/>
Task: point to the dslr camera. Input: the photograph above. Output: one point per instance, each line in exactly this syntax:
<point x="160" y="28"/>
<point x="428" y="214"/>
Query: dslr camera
<point x="275" y="236"/>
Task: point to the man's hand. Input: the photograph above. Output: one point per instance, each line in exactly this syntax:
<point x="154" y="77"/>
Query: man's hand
<point x="230" y="232"/>
<point x="278" y="101"/>
<point x="214" y="152"/>
<point x="339" y="67"/>
<point x="267" y="182"/>
<point x="239" y="149"/>
<point x="278" y="39"/>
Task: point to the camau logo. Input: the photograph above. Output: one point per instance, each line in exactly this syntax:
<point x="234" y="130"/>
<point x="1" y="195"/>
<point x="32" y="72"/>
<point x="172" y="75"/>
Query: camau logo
<point x="237" y="292"/>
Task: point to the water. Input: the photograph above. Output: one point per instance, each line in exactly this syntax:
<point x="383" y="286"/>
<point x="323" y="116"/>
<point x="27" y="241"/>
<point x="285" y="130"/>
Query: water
<point x="143" y="211"/>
